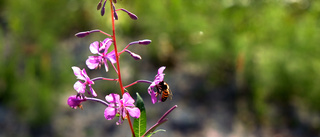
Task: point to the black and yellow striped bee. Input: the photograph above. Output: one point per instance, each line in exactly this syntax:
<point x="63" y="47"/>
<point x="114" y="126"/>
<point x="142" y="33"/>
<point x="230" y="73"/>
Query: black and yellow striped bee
<point x="163" y="88"/>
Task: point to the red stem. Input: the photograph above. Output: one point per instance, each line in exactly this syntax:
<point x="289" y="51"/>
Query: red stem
<point x="118" y="63"/>
<point x="115" y="47"/>
<point x="105" y="33"/>
<point x="132" y="131"/>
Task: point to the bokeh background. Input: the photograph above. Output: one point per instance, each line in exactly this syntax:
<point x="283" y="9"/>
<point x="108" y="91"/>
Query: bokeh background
<point x="237" y="68"/>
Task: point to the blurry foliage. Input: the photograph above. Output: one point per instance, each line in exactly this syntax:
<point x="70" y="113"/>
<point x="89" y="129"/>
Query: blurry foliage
<point x="34" y="65"/>
<point x="271" y="48"/>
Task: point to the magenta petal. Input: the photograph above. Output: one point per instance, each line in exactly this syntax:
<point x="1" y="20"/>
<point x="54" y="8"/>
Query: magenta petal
<point x="92" y="91"/>
<point x="128" y="100"/>
<point x="161" y="69"/>
<point x="74" y="101"/>
<point x="110" y="113"/>
<point x="134" y="112"/>
<point x="153" y="95"/>
<point x="94" y="47"/>
<point x="78" y="73"/>
<point x="158" y="79"/>
<point x="105" y="65"/>
<point x="113" y="98"/>
<point x="105" y="45"/>
<point x="93" y="62"/>
<point x="79" y="87"/>
<point x="85" y="75"/>
<point x="112" y="57"/>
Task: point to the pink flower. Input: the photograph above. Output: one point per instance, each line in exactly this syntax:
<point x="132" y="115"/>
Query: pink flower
<point x="158" y="78"/>
<point x="75" y="101"/>
<point x="79" y="86"/>
<point x="101" y="49"/>
<point x="117" y="106"/>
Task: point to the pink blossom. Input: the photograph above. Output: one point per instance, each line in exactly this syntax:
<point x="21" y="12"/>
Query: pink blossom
<point x="120" y="106"/>
<point x="158" y="78"/>
<point x="101" y="49"/>
<point x="75" y="101"/>
<point x="79" y="86"/>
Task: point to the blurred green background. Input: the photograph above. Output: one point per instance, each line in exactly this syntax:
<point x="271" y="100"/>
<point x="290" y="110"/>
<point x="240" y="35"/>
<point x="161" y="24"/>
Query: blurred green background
<point x="235" y="67"/>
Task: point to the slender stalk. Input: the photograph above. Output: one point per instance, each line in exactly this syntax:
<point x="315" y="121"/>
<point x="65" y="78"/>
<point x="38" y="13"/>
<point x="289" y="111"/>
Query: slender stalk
<point x="160" y="121"/>
<point x="118" y="63"/>
<point x="97" y="100"/>
<point x="105" y="33"/>
<point x="138" y="81"/>
<point x="102" y="78"/>
<point x="132" y="131"/>
<point x="115" y="48"/>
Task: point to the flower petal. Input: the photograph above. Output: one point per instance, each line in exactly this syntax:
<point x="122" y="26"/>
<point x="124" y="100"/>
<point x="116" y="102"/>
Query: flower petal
<point x="94" y="47"/>
<point x="112" y="57"/>
<point x="161" y="69"/>
<point x="78" y="73"/>
<point x="92" y="91"/>
<point x="79" y="87"/>
<point x="105" y="45"/>
<point x="128" y="100"/>
<point x="85" y="75"/>
<point x="153" y="95"/>
<point x="105" y="62"/>
<point x="110" y="113"/>
<point x="93" y="62"/>
<point x="113" y="98"/>
<point x="133" y="112"/>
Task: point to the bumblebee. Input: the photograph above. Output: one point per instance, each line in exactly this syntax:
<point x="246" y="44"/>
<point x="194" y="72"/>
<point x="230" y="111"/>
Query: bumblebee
<point x="163" y="88"/>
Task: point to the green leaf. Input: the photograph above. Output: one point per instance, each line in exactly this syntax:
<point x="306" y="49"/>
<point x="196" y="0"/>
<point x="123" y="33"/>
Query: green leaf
<point x="150" y="134"/>
<point x="140" y="124"/>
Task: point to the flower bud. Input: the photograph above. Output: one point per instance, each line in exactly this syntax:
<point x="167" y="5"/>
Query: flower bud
<point x="144" y="42"/>
<point x="103" y="8"/>
<point x="132" y="16"/>
<point x="85" y="33"/>
<point x="114" y="12"/>
<point x="134" y="55"/>
<point x="99" y="5"/>
<point x="114" y="1"/>
<point x="82" y="34"/>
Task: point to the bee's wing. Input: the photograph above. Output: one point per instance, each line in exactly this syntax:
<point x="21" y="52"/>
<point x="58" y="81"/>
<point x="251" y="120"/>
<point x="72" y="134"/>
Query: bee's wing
<point x="170" y="94"/>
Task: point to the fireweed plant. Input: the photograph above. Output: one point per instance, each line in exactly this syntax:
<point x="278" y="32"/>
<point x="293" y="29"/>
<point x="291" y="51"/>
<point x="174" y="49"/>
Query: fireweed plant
<point x="121" y="104"/>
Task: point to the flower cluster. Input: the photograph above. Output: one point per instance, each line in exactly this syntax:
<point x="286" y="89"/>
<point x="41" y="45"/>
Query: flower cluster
<point x="121" y="105"/>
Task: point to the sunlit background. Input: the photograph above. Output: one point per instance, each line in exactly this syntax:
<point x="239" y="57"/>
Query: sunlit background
<point x="237" y="68"/>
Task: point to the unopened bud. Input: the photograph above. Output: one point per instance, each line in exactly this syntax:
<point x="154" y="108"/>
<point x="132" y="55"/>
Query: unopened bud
<point x="134" y="55"/>
<point x="85" y="33"/>
<point x="132" y="16"/>
<point x="144" y="42"/>
<point x="99" y="5"/>
<point x="114" y="12"/>
<point x="82" y="34"/>
<point x="103" y="8"/>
